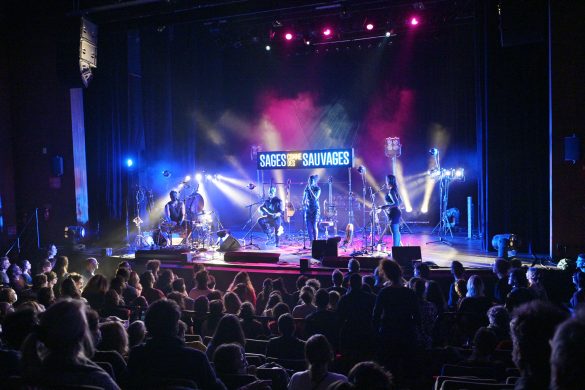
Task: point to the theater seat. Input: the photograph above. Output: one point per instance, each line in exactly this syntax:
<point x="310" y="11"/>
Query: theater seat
<point x="441" y="379"/>
<point x="256" y="346"/>
<point x="278" y="376"/>
<point x="469" y="385"/>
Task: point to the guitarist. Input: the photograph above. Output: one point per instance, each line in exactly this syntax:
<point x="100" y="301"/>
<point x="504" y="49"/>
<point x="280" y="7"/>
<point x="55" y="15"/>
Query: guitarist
<point x="393" y="201"/>
<point x="312" y="210"/>
<point x="272" y="219"/>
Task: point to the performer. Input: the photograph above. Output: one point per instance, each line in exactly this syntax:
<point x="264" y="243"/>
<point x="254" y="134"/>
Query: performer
<point x="393" y="212"/>
<point x="311" y="204"/>
<point x="272" y="219"/>
<point x="175" y="209"/>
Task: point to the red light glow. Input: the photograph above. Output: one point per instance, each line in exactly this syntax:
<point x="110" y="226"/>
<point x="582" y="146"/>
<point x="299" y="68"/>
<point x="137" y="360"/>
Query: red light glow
<point x="327" y="32"/>
<point x="288" y="36"/>
<point x="414" y="21"/>
<point x="369" y="26"/>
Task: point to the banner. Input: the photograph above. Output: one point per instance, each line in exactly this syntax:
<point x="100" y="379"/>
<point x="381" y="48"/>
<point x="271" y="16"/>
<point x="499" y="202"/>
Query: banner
<point x="306" y="159"/>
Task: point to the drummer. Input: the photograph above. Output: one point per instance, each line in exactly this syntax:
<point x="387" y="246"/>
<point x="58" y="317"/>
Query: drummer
<point x="175" y="209"/>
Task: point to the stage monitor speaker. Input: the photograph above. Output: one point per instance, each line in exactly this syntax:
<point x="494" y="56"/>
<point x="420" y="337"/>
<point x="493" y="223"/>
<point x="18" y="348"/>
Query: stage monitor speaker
<point x="230" y="244"/>
<point x="304" y="265"/>
<point x="318" y="249"/>
<point x="404" y="256"/>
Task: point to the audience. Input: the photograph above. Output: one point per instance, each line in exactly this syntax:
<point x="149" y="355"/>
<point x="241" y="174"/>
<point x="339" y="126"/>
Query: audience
<point x="95" y="291"/>
<point x="535" y="283"/>
<point x="91" y="266"/>
<point x="249" y="294"/>
<point x="322" y="321"/>
<point x="501" y="289"/>
<point x="147" y="280"/>
<point x="337" y="280"/>
<point x="318" y="355"/>
<point x="306" y="307"/>
<point x="262" y="298"/>
<point x="164" y="355"/>
<point x="216" y="313"/>
<point x="578" y="297"/>
<point x="232" y="303"/>
<point x="252" y="328"/>
<point x="228" y="330"/>
<point x="4" y="264"/>
<point x="370" y="376"/>
<point x="151" y="265"/>
<point x="428" y="313"/>
<point x="201" y="288"/>
<point x="520" y="292"/>
<point x="26" y="267"/>
<point x="568" y="354"/>
<point x="165" y="281"/>
<point x="457" y="270"/>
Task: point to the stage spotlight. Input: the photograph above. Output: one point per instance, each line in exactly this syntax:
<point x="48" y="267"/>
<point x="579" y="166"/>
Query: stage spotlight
<point x="187" y="179"/>
<point x="129" y="162"/>
<point x="361" y="170"/>
<point x="267" y="47"/>
<point x="251" y="186"/>
<point x="408" y="209"/>
<point x="74" y="233"/>
<point x="369" y="26"/>
<point x="413" y="21"/>
<point x="166" y="173"/>
<point x="388" y="34"/>
<point x="307" y="42"/>
<point x="288" y="36"/>
<point x="424" y="209"/>
<point x="506" y="244"/>
<point x="459" y="174"/>
<point x="208" y="177"/>
<point x="198" y="177"/>
<point x="327" y="32"/>
<point x="433" y="151"/>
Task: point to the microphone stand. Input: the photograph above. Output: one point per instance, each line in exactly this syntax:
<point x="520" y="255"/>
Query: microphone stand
<point x="365" y="239"/>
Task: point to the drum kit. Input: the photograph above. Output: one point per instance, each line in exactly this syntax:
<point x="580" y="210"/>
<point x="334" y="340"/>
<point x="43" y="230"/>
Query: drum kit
<point x="195" y="233"/>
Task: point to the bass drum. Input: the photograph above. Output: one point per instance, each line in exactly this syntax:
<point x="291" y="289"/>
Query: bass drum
<point x="160" y="238"/>
<point x="195" y="204"/>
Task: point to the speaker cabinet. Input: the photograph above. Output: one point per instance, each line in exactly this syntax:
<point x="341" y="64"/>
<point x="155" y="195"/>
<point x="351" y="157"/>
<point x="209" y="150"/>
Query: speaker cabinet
<point x="405" y="256"/>
<point x="230" y="244"/>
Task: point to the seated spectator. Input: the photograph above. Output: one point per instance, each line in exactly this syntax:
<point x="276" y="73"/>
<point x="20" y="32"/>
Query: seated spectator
<point x="318" y="355"/>
<point x="78" y="279"/>
<point x="232" y="303"/>
<point x="313" y="283"/>
<point x="252" y="328"/>
<point x="484" y="345"/>
<point x="165" y="281"/>
<point x="114" y="338"/>
<point x="200" y="312"/>
<point x="215" y="295"/>
<point x="228" y="330"/>
<point x="499" y="322"/>
<point x="568" y="354"/>
<point x="15" y="328"/>
<point x="369" y="284"/>
<point x="17" y="282"/>
<point x="428" y="314"/>
<point x="475" y="302"/>
<point x="273" y="300"/>
<point x="278" y="285"/>
<point x="262" y="298"/>
<point x="458" y="272"/>
<point x="216" y="313"/>
<point x="26" y="267"/>
<point x="61" y="270"/>
<point x="460" y="291"/>
<point x="113" y="306"/>
<point x="353" y="267"/>
<point x="295" y="296"/>
<point x="520" y="292"/>
<point x="179" y="286"/>
<point x="8" y="295"/>
<point x="69" y="289"/>
<point x="536" y="284"/>
<point x="95" y="291"/>
<point x="125" y="264"/>
<point x="501" y="289"/>
<point x="134" y="281"/>
<point x="4" y="264"/>
<point x="51" y="279"/>
<point x="578" y="297"/>
<point x="434" y="295"/>
<point x="136" y="334"/>
<point x="322" y="321"/>
<point x="280" y="309"/>
<point x="422" y="271"/>
<point x="337" y="280"/>
<point x="46" y="266"/>
<point x="38" y="281"/>
<point x="355" y="320"/>
<point x="129" y="293"/>
<point x="154" y="267"/>
<point x="334" y="298"/>
<point x="91" y="267"/>
<point x="230" y="364"/>
<point x="164" y="355"/>
<point x="285" y="346"/>
<point x="201" y="288"/>
<point x="249" y="293"/>
<point x="150" y="293"/>
<point x="532" y="328"/>
<point x="306" y="307"/>
<point x="63" y="331"/>
<point x="46" y="297"/>
<point x="370" y="376"/>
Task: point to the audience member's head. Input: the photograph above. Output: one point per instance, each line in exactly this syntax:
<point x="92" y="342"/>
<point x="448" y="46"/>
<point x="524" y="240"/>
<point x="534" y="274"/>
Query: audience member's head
<point x="179" y="285"/>
<point x="241" y="291"/>
<point x="501" y="267"/>
<point x="273" y="300"/>
<point x="515" y="262"/>
<point x="46" y="266"/>
<point x="25" y="266"/>
<point x="117" y="284"/>
<point x="391" y="271"/>
<point x="97" y="284"/>
<point x="322" y="299"/>
<point x="475" y="286"/>
<point x="280" y="309"/>
<point x="579" y="279"/>
<point x="532" y="328"/>
<point x="8" y="295"/>
<point x="422" y="270"/>
<point x="136" y="333"/>
<point x="418" y="285"/>
<point x="4" y="263"/>
<point x="17" y="326"/>
<point x="314" y="283"/>
<point x="114" y="337"/>
<point x="165" y="279"/>
<point x="154" y="267"/>
<point x="484" y="343"/>
<point x="201" y="279"/>
<point x="201" y="305"/>
<point x="214" y="295"/>
<point x="267" y="286"/>
<point x="301" y="281"/>
<point x="534" y="276"/>
<point x="61" y="265"/>
<point x="568" y="354"/>
<point x="336" y="277"/>
<point x="434" y="294"/>
<point x="286" y="325"/>
<point x="123" y="273"/>
<point x="232" y="303"/>
<point x="353" y="265"/>
<point x="51" y="278"/>
<point x="318" y="353"/>
<point x="499" y="317"/>
<point x="216" y="308"/>
<point x="334" y="298"/>
<point x="46" y="296"/>
<point x="77" y="279"/>
<point x="370" y="376"/>
<point x="126" y="264"/>
<point x="307" y="295"/>
<point x="457" y="269"/>
<point x="162" y="318"/>
<point x="278" y="285"/>
<point x="229" y="330"/>
<point x="517" y="278"/>
<point x="370" y="281"/>
<point x="229" y="359"/>
<point x="178" y="298"/>
<point x="69" y="289"/>
<point x="461" y="288"/>
<point x="91" y="264"/>
<point x="247" y="311"/>
<point x="147" y="279"/>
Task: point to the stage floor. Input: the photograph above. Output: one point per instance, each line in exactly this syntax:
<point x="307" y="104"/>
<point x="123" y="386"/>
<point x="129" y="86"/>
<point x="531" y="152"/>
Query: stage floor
<point x="440" y="254"/>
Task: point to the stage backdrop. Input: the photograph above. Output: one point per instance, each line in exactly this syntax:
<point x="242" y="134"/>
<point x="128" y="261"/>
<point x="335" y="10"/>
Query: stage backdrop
<point x="175" y="101"/>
